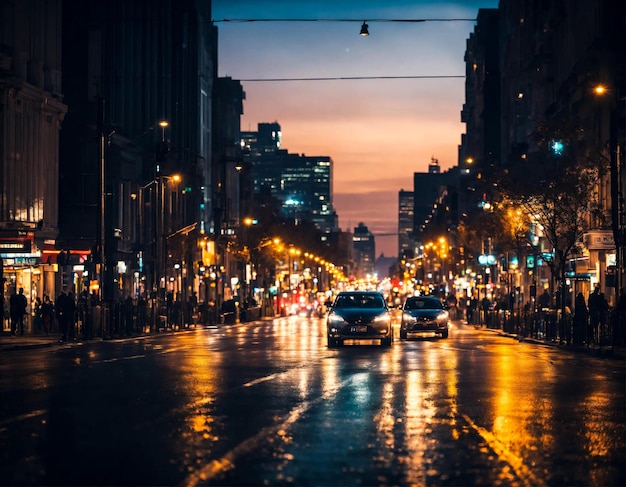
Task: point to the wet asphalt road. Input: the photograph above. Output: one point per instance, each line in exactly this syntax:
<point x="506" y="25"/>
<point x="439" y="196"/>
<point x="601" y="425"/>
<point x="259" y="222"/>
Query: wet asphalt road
<point x="267" y="403"/>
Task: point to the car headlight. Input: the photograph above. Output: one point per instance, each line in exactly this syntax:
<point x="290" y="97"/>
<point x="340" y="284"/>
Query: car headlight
<point x="384" y="318"/>
<point x="335" y="320"/>
<point x="409" y="318"/>
<point x="442" y="317"/>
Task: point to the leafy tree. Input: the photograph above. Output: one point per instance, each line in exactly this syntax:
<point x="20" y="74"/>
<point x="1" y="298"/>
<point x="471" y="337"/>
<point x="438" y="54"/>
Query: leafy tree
<point x="556" y="186"/>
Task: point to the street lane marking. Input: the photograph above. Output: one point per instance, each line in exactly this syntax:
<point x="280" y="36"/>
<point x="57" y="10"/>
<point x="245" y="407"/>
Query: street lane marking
<point x="227" y="462"/>
<point x="524" y="474"/>
<point x="263" y="379"/>
<point x="21" y="417"/>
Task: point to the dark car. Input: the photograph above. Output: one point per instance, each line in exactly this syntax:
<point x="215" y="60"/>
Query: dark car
<point x="359" y="318"/>
<point x="422" y="314"/>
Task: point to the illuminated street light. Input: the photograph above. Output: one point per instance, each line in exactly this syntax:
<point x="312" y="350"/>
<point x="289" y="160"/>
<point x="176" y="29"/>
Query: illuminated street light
<point x="163" y="124"/>
<point x="600" y="90"/>
<point x="618" y="224"/>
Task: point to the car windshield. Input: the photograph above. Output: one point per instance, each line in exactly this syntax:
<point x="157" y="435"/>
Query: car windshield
<point x="423" y="303"/>
<point x="359" y="301"/>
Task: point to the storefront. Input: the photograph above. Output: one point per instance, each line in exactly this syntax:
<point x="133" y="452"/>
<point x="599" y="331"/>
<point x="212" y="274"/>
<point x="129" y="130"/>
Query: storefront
<point x="21" y="267"/>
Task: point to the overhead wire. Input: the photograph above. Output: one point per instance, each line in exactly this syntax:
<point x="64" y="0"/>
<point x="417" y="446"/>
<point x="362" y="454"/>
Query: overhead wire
<point x="341" y="78"/>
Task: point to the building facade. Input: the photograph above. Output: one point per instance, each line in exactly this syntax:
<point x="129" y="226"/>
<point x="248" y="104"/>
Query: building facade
<point x="32" y="111"/>
<point x="364" y="245"/>
<point x="303" y="184"/>
<point x="559" y="65"/>
<point x="406" y="240"/>
<point x="140" y="81"/>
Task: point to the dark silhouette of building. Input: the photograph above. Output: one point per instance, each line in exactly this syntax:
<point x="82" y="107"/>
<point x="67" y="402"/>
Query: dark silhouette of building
<point x="364" y="245"/>
<point x="128" y="66"/>
<point x="406" y="240"/>
<point x="32" y="110"/>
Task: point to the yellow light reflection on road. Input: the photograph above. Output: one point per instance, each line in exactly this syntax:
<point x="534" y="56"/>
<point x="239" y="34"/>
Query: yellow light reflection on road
<point x="200" y="384"/>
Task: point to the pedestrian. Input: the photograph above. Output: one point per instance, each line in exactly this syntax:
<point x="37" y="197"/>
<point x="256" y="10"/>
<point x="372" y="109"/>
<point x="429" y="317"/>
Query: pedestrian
<point x="177" y="310"/>
<point x="581" y="317"/>
<point x="47" y="314"/>
<point x="129" y="308"/>
<point x="603" y="316"/>
<point x="473" y="308"/>
<point x="142" y="313"/>
<point x="485" y="304"/>
<point x="64" y="309"/>
<point x="193" y="307"/>
<point x="17" y="310"/>
<point x="594" y="316"/>
<point x="544" y="300"/>
<point x="84" y="314"/>
<point x="37" y="325"/>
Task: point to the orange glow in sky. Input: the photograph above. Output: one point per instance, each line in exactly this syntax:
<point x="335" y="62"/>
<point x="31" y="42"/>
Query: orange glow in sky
<point x="377" y="131"/>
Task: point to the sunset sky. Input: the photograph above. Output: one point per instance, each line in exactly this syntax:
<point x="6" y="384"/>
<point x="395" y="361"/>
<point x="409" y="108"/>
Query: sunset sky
<point x="377" y="131"/>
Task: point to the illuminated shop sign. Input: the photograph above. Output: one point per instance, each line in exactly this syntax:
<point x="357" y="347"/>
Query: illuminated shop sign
<point x="15" y="246"/>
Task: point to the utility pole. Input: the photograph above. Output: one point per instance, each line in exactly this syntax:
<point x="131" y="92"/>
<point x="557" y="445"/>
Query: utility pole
<point x="617" y="201"/>
<point x="100" y="231"/>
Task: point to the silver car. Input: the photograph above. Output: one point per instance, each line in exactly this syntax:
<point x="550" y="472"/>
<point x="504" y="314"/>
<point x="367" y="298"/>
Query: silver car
<point x="359" y="318"/>
<point x="421" y="314"/>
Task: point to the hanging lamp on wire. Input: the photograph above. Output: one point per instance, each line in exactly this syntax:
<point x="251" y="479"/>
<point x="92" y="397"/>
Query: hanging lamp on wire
<point x="364" y="32"/>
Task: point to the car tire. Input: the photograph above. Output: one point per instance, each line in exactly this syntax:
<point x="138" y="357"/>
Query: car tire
<point x="403" y="335"/>
<point x="444" y="334"/>
<point x="386" y="342"/>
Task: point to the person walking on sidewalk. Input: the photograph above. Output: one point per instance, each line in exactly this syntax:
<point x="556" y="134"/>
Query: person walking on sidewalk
<point x="581" y="315"/>
<point x="594" y="316"/>
<point x="47" y="314"/>
<point x="13" y="312"/>
<point x="17" y="308"/>
<point x="64" y="308"/>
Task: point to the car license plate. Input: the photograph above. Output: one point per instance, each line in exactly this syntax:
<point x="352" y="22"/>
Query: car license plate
<point x="359" y="329"/>
<point x="370" y="341"/>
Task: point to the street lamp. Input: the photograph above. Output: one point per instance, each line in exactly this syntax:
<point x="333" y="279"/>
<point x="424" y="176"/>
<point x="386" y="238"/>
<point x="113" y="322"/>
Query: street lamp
<point x="162" y="226"/>
<point x="163" y="124"/>
<point x="618" y="225"/>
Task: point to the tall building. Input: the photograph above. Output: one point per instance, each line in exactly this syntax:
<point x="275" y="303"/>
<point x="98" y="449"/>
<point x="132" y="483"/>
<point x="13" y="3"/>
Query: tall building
<point x="406" y="241"/>
<point x="303" y="184"/>
<point x="480" y="149"/>
<point x="364" y="245"/>
<point x="32" y="110"/>
<point x="139" y="83"/>
<point x="427" y="190"/>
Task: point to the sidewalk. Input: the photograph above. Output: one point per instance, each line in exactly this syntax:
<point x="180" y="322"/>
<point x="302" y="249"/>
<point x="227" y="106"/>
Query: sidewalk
<point x="20" y="342"/>
<point x="10" y="342"/>
<point x="607" y="351"/>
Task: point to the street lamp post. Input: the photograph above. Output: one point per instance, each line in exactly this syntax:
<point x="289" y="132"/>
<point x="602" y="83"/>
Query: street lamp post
<point x="101" y="223"/>
<point x="616" y="173"/>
